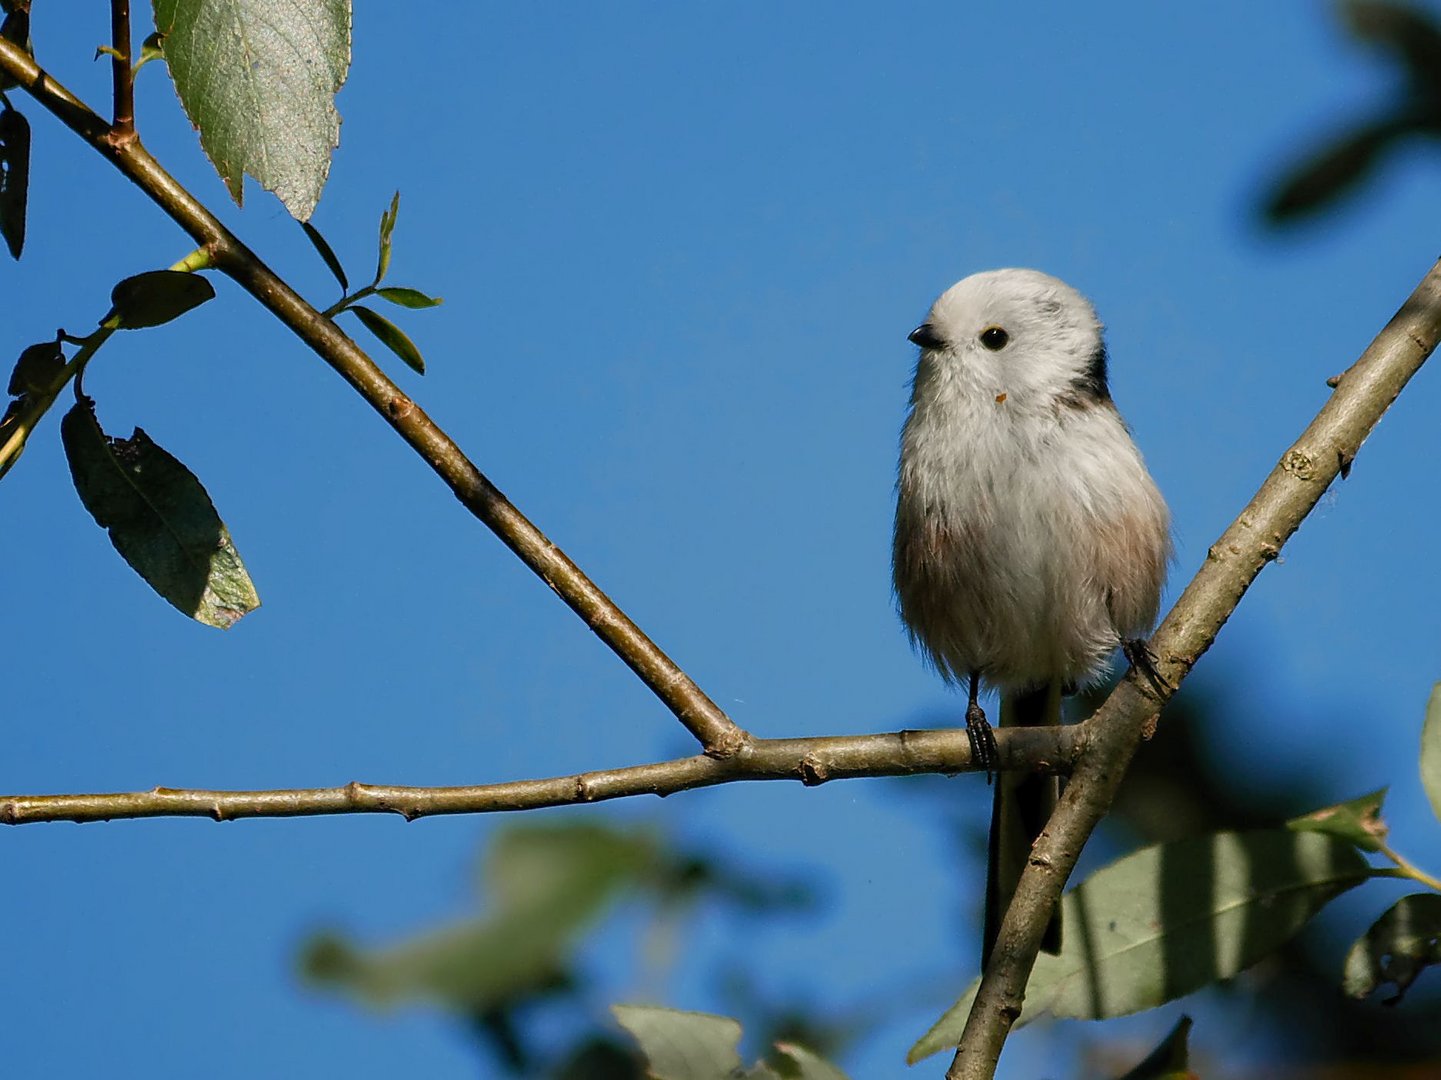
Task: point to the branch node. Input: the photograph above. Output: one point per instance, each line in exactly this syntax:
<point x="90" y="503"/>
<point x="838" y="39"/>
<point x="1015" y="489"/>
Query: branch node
<point x="1299" y="465"/>
<point x="812" y="770"/>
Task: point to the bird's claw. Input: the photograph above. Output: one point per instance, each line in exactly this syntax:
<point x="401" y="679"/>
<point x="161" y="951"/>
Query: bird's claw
<point x="1139" y="655"/>
<point x="982" y="739"/>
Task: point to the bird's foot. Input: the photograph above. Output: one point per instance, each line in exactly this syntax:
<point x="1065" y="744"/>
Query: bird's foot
<point x="982" y="739"/>
<point x="1139" y="655"/>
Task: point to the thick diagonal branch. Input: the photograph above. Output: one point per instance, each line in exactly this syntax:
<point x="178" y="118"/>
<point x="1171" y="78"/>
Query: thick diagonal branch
<point x="811" y="761"/>
<point x="717" y="733"/>
<point x="1325" y="449"/>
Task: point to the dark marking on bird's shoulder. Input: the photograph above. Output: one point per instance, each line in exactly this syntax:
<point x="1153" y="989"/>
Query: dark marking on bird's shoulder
<point x="1092" y="386"/>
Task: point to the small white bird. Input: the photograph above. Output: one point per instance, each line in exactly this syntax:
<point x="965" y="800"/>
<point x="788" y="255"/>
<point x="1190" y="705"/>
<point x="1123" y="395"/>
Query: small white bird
<point x="1030" y="540"/>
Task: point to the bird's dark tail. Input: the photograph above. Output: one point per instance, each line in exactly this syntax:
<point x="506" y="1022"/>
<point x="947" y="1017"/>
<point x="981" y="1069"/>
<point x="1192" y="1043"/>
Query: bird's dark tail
<point x="1023" y="805"/>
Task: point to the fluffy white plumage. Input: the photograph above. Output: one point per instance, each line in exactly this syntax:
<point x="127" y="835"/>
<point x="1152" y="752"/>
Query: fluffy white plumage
<point x="1030" y="540"/>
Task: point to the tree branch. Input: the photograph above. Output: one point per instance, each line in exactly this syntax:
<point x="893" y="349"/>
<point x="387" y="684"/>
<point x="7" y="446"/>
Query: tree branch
<point x="812" y="761"/>
<point x="718" y="735"/>
<point x="1325" y="449"/>
<point x="122" y="72"/>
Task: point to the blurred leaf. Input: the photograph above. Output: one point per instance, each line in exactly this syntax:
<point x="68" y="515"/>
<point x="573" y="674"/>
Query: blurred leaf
<point x="686" y="1045"/>
<point x="1169" y="1061"/>
<point x="156" y="297"/>
<point x="37" y="369"/>
<point x="600" y="1058"/>
<point x="410" y="298"/>
<point x="1398" y="947"/>
<point x="391" y="336"/>
<point x="1358" y="821"/>
<point x="546" y="883"/>
<point x="387" y="226"/>
<point x="1431" y="751"/>
<point x="1172" y="918"/>
<point x="258" y="78"/>
<point x="798" y="1063"/>
<point x="1410" y="33"/>
<point x="327" y="254"/>
<point x="159" y="518"/>
<point x="1332" y="172"/>
<point x="14" y="177"/>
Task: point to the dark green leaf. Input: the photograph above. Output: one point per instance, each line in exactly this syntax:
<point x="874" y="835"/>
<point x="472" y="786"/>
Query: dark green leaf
<point x="387" y="226"/>
<point x="1358" y="821"/>
<point x="258" y="78"/>
<point x="1169" y="1061"/>
<point x="326" y="253"/>
<point x="545" y="883"/>
<point x="410" y="298"/>
<point x="36" y="369"/>
<point x="1403" y="942"/>
<point x="1172" y="918"/>
<point x="156" y="297"/>
<point x="1332" y="172"/>
<point x="14" y="177"/>
<point x="390" y="335"/>
<point x="1431" y="751"/>
<point x="159" y="518"/>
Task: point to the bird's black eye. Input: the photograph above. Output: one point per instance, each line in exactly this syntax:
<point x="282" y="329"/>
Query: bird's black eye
<point x="994" y="338"/>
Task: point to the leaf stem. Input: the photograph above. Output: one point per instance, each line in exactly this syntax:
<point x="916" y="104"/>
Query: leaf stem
<point x="1406" y="868"/>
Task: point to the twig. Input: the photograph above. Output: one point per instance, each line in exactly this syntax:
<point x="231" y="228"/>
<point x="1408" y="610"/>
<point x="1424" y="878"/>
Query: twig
<point x="811" y="761"/>
<point x="1325" y="449"/>
<point x="122" y="72"/>
<point x="718" y="735"/>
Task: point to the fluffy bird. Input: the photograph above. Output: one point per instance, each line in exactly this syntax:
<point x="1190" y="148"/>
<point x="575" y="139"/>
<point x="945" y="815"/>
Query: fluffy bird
<point x="1030" y="541"/>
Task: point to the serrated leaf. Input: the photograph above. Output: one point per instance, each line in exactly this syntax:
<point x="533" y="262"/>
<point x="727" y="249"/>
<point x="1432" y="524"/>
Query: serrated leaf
<point x="387" y="226"/>
<point x="159" y="518"/>
<point x="408" y="298"/>
<point x="36" y="369"/>
<point x="327" y="253"/>
<point x="14" y="177"/>
<point x="258" y="78"/>
<point x="1172" y="918"/>
<point x="1398" y="947"/>
<point x="1170" y="1060"/>
<point x="683" y="1045"/>
<point x="798" y="1063"/>
<point x="1431" y="751"/>
<point x="1358" y="821"/>
<point x="545" y="884"/>
<point x="390" y="335"/>
<point x="156" y="297"/>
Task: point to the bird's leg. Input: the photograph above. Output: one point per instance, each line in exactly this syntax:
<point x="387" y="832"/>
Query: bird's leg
<point x="978" y="731"/>
<point x="1139" y="655"/>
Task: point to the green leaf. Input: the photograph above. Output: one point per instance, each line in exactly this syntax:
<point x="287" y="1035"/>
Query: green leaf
<point x="1169" y="1061"/>
<point x="1358" y="821"/>
<point x="390" y="335"/>
<point x="545" y="883"/>
<point x="683" y="1045"/>
<point x="258" y="78"/>
<point x="387" y="226"/>
<point x="14" y="177"/>
<point x="159" y="518"/>
<point x="1402" y="943"/>
<point x="1431" y="751"/>
<point x="152" y="48"/>
<point x="36" y="369"/>
<point x="327" y="254"/>
<point x="156" y="297"/>
<point x="1172" y="918"/>
<point x="410" y="298"/>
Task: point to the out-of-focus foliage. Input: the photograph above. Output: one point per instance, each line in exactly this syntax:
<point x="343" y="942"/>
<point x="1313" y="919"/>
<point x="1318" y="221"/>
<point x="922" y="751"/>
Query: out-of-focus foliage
<point x="1410" y="38"/>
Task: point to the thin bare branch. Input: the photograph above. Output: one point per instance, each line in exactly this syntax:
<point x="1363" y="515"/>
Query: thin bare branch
<point x="1324" y="450"/>
<point x="718" y="735"/>
<point x="811" y="761"/>
<point x="122" y="72"/>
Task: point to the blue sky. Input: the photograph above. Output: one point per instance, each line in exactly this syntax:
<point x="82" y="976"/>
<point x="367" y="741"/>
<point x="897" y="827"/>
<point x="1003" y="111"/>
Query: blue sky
<point x="680" y="251"/>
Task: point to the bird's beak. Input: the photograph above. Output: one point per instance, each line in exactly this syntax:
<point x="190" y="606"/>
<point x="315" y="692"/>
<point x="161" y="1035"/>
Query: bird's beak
<point x="925" y="336"/>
